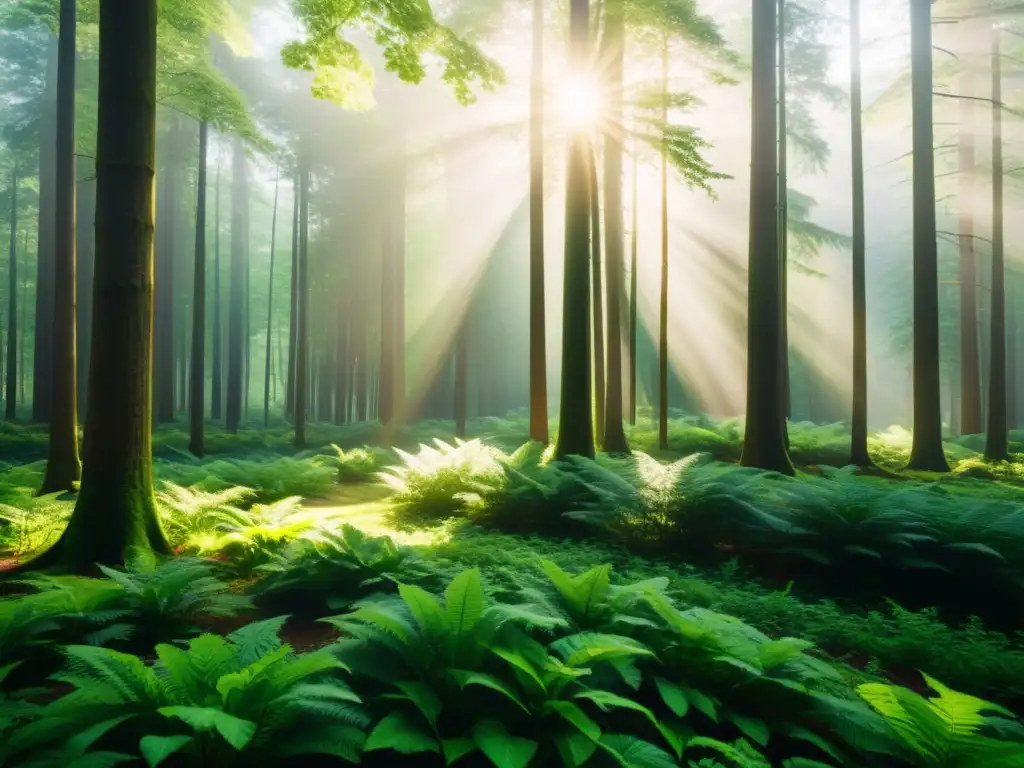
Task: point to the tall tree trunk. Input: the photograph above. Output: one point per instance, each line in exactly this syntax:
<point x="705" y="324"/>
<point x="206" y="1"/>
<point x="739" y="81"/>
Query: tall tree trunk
<point x="614" y="437"/>
<point x="927" y="451"/>
<point x="576" y="418"/>
<point x="663" y="300"/>
<point x="399" y="204"/>
<point x="23" y="325"/>
<point x="538" y="327"/>
<point x="387" y="310"/>
<point x="859" y="424"/>
<point x="970" y="364"/>
<point x="293" y="317"/>
<point x="85" y="257"/>
<point x="270" y="304"/>
<point x="1012" y="405"/>
<point x="116" y="513"/>
<point x="236" y="306"/>
<point x="996" y="439"/>
<point x="302" y="312"/>
<point x="64" y="469"/>
<point x="597" y="299"/>
<point x="634" y="241"/>
<point x="197" y="382"/>
<point x="217" y="382"/>
<point x="166" y="256"/>
<point x="783" y="223"/>
<point x="461" y="388"/>
<point x="764" y="442"/>
<point x="11" y="404"/>
<point x="343" y="362"/>
<point x="42" y="359"/>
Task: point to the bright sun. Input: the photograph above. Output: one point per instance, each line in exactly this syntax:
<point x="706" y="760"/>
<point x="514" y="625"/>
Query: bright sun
<point x="579" y="101"/>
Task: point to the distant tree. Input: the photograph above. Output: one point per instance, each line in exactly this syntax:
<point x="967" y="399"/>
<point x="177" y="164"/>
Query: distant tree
<point x="63" y="467"/>
<point x="927" y="451"/>
<point x="764" y="443"/>
<point x="538" y="326"/>
<point x="996" y="440"/>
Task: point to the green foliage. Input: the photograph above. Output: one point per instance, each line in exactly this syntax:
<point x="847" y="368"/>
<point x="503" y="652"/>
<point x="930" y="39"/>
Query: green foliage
<point x="359" y="464"/>
<point x="271" y="479"/>
<point x="948" y="730"/>
<point x="189" y="513"/>
<point x="332" y="568"/>
<point x="405" y="30"/>
<point x="220" y="700"/>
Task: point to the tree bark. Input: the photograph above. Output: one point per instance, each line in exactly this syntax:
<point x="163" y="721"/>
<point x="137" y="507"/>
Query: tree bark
<point x="633" y="286"/>
<point x="996" y="438"/>
<point x="614" y="436"/>
<point x="217" y="381"/>
<point x="166" y="253"/>
<point x="64" y="469"/>
<point x="85" y="258"/>
<point x="289" y="406"/>
<point x="859" y="424"/>
<point x="663" y="299"/>
<point x="783" y="225"/>
<point x="302" y="312"/>
<point x="115" y="512"/>
<point x="11" y="403"/>
<point x="42" y="376"/>
<point x="236" y="305"/>
<point x="270" y="305"/>
<point x="764" y="442"/>
<point x="970" y="364"/>
<point x="597" y="299"/>
<point x="197" y="372"/>
<point x="538" y="327"/>
<point x="388" y="314"/>
<point x="927" y="450"/>
<point x="576" y="421"/>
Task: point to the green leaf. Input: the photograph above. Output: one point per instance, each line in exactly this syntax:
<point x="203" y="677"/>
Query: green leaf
<point x="703" y="703"/>
<point x="398" y="732"/>
<point x="464" y="679"/>
<point x="425" y="608"/>
<point x="234" y="730"/>
<point x="464" y="602"/>
<point x="804" y="762"/>
<point x="775" y="653"/>
<point x="424" y="698"/>
<point x="753" y="728"/>
<point x="584" y="592"/>
<point x="574" y="747"/>
<point x="631" y="752"/>
<point x="502" y="748"/>
<point x="156" y="749"/>
<point x="576" y="717"/>
<point x="587" y="648"/>
<point x="606" y="700"/>
<point x="673" y="695"/>
<point x="518" y="661"/>
<point x="454" y="749"/>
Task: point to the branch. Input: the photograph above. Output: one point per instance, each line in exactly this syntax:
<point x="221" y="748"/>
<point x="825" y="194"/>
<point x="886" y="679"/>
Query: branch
<point x="958" y="235"/>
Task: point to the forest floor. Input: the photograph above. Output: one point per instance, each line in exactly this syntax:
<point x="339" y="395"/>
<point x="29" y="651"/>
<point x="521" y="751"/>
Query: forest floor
<point x="885" y="576"/>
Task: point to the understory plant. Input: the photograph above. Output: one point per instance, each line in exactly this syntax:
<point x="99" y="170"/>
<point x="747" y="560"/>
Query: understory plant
<point x="243" y="699"/>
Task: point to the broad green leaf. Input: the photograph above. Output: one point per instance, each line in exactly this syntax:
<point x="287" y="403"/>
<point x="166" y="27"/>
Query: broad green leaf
<point x="156" y="749"/>
<point x="455" y="749"/>
<point x="574" y="748"/>
<point x="587" y="648"/>
<point x="753" y="728"/>
<point x="775" y="653"/>
<point x="464" y="603"/>
<point x="584" y="592"/>
<point x="576" y="717"/>
<point x="235" y="731"/>
<point x="398" y="732"/>
<point x="702" y="703"/>
<point x="425" y="608"/>
<point x="631" y="752"/>
<point x="464" y="679"/>
<point x="673" y="695"/>
<point x="424" y="698"/>
<point x="606" y="700"/>
<point x="518" y="661"/>
<point x="502" y="748"/>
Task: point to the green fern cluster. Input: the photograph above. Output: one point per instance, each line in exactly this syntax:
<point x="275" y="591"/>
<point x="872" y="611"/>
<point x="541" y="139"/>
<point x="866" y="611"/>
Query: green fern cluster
<point x="219" y="701"/>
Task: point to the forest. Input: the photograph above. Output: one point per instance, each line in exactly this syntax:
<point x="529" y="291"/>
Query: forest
<point x="512" y="383"/>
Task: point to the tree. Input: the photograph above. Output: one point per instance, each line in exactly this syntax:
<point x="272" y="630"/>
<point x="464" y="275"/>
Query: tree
<point x="970" y="364"/>
<point x="197" y="369"/>
<point x="302" y="309"/>
<point x="42" y="377"/>
<point x="217" y="383"/>
<point x="859" y="424"/>
<point x="996" y="441"/>
<point x="614" y="436"/>
<point x="293" y="314"/>
<point x="764" y="442"/>
<point x="116" y="511"/>
<point x="575" y="429"/>
<point x="663" y="296"/>
<point x="11" y="404"/>
<point x="633" y="262"/>
<point x="63" y="468"/>
<point x="270" y="303"/>
<point x="597" y="301"/>
<point x="236" y="303"/>
<point x="926" y="452"/>
<point x="538" y="328"/>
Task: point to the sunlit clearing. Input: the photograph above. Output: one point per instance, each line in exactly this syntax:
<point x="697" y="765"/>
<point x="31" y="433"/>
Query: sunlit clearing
<point x="580" y="102"/>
